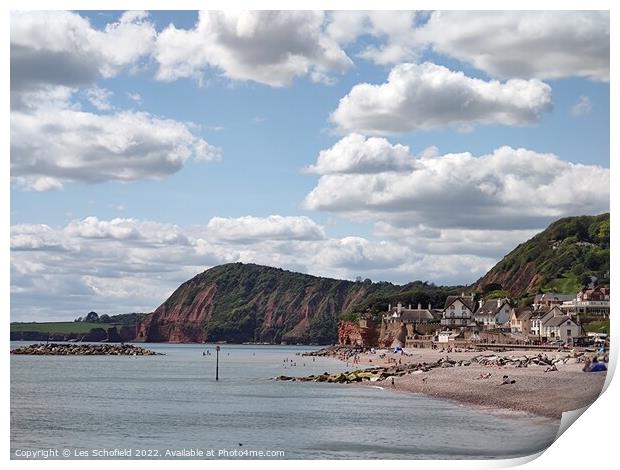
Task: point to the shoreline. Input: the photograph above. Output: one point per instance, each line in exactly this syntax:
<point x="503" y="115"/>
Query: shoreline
<point x="534" y="391"/>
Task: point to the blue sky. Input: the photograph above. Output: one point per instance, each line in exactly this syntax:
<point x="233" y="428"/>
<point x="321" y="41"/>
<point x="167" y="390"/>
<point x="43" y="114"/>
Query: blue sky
<point x="84" y="200"/>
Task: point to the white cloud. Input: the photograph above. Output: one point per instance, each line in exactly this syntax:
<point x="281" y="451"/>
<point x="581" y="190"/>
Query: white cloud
<point x="124" y="265"/>
<point x="582" y="107"/>
<point x="427" y="96"/>
<point x="135" y="97"/>
<point x="394" y="30"/>
<point x="507" y="189"/>
<point x="274" y="227"/>
<point x="50" y="147"/>
<point x="60" y="48"/>
<point x="58" y="55"/>
<point x="526" y="44"/>
<point x="486" y="243"/>
<point x="99" y="98"/>
<point x="358" y="154"/>
<point x="270" y="47"/>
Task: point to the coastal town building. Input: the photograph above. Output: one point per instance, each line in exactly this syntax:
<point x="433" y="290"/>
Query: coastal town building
<point x="493" y="313"/>
<point x="540" y="316"/>
<point x="520" y="320"/>
<point x="561" y="327"/>
<point x="464" y="320"/>
<point x="589" y="302"/>
<point x="410" y="315"/>
<point x="550" y="299"/>
<point x="402" y="324"/>
<point x="458" y="311"/>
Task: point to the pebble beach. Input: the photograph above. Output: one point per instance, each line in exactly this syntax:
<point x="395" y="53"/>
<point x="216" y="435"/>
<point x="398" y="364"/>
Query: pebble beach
<point x="534" y="391"/>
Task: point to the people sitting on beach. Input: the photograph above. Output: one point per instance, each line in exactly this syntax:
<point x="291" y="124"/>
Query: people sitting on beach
<point x="484" y="376"/>
<point x="594" y="366"/>
<point x="507" y="380"/>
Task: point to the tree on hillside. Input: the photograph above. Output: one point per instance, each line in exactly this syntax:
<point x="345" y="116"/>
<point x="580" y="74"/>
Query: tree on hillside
<point x="92" y="317"/>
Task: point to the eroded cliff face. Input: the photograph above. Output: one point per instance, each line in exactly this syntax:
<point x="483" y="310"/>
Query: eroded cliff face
<point x="240" y="303"/>
<point x="358" y="334"/>
<point x="182" y="320"/>
<point x="516" y="281"/>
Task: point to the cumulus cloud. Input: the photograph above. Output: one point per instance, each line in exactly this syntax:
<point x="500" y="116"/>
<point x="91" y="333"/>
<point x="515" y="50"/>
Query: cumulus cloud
<point x="56" y="56"/>
<point x="507" y="189"/>
<point x="269" y="47"/>
<point x="61" y="48"/>
<point x="525" y="44"/>
<point x="358" y="154"/>
<point x="274" y="227"/>
<point x="486" y="243"/>
<point x="427" y="96"/>
<point x="124" y="265"/>
<point x="50" y="147"/>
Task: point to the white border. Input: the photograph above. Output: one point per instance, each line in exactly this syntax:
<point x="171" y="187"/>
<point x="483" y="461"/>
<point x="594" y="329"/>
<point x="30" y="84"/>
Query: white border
<point x="590" y="442"/>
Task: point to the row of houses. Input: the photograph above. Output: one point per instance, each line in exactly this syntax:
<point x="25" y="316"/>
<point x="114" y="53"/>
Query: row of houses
<point x="550" y="318"/>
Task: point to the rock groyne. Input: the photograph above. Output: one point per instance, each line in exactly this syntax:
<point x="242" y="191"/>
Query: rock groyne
<point x="55" y="349"/>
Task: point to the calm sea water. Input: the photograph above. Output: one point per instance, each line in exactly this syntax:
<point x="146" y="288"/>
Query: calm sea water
<point x="173" y="402"/>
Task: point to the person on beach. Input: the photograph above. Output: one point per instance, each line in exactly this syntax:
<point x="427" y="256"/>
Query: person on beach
<point x="507" y="380"/>
<point x="594" y="366"/>
<point x="393" y="382"/>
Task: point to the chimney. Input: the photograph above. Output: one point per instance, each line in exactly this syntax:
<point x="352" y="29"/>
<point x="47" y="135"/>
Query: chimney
<point x="429" y="306"/>
<point x="480" y="303"/>
<point x="409" y="306"/>
<point x="499" y="303"/>
<point x="462" y="294"/>
<point x="399" y="307"/>
<point x="389" y="307"/>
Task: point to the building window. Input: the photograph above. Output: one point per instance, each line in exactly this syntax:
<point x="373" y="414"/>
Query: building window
<point x="451" y="307"/>
<point x="568" y="332"/>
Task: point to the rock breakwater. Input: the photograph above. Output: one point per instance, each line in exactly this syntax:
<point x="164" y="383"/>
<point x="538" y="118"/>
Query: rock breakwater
<point x="55" y="349"/>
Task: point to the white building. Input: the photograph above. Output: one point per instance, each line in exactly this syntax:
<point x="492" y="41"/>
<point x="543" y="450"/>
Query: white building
<point x="562" y="327"/>
<point x="540" y="317"/>
<point x="493" y="313"/>
<point x="459" y="311"/>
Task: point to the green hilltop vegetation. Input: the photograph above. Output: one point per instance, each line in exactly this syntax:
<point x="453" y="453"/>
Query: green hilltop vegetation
<point x="261" y="303"/>
<point x="567" y="256"/>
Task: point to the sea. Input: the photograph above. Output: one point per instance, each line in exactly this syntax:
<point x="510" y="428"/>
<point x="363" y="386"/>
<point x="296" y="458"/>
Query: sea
<point x="171" y="406"/>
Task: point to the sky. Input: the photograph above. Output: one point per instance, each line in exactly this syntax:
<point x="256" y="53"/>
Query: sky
<point x="147" y="147"/>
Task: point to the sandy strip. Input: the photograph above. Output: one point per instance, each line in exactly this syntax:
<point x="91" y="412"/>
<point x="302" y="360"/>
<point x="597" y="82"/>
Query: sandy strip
<point x="534" y="391"/>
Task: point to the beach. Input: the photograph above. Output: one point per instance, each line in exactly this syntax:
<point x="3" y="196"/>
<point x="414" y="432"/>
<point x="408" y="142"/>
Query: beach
<point x="534" y="391"/>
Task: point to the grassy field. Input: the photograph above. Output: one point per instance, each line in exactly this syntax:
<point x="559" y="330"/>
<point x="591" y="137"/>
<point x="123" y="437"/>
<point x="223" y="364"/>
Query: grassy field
<point x="59" y="327"/>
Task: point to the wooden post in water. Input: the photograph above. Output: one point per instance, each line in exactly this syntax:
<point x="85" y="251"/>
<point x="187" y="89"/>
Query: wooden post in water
<point x="217" y="363"/>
